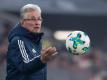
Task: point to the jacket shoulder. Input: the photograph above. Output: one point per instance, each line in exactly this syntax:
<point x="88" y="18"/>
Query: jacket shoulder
<point x="15" y="40"/>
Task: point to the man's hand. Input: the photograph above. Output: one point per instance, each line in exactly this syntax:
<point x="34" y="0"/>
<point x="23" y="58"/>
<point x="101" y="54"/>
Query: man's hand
<point x="48" y="54"/>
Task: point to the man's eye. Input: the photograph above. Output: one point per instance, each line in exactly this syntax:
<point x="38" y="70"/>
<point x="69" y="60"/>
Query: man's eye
<point x="40" y="19"/>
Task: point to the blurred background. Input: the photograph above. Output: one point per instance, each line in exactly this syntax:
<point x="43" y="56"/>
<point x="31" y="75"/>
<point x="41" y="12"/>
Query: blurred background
<point x="60" y="16"/>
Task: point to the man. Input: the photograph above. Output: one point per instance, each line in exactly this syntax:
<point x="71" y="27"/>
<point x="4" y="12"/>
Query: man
<point x="26" y="60"/>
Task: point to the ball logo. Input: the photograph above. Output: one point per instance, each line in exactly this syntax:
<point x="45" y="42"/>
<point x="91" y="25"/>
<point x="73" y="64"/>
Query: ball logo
<point x="77" y="41"/>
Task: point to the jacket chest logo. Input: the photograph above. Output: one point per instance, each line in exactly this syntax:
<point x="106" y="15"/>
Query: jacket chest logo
<point x="34" y="51"/>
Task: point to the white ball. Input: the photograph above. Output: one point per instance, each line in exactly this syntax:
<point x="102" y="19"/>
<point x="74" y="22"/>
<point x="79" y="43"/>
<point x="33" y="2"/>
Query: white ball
<point x="78" y="42"/>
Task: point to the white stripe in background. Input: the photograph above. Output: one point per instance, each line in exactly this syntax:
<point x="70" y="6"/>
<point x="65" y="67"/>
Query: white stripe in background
<point x="24" y="53"/>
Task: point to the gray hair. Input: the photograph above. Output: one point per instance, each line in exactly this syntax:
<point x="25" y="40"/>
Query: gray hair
<point x="28" y="8"/>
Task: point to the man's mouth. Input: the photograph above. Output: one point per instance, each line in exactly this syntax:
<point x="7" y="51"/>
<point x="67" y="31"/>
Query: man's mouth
<point x="36" y="27"/>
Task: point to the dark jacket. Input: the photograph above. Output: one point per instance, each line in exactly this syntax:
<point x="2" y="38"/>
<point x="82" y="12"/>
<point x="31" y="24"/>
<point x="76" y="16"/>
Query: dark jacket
<point x="23" y="56"/>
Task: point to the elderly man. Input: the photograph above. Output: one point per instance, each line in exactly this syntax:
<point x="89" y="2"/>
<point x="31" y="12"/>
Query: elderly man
<point x="26" y="60"/>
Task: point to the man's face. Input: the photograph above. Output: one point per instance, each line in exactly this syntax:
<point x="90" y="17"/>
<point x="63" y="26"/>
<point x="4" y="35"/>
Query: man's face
<point x="32" y="21"/>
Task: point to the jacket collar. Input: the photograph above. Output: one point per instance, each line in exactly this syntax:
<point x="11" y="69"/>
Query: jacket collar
<point x="33" y="36"/>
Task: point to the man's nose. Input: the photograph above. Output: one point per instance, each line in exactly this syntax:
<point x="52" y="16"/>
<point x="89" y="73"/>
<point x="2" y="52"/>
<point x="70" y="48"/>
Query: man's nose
<point x="37" y="23"/>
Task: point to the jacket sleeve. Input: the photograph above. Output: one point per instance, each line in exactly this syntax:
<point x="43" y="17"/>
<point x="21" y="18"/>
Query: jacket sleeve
<point x="18" y="56"/>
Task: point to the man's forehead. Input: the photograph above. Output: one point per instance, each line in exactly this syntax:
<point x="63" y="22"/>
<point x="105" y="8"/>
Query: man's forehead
<point x="33" y="16"/>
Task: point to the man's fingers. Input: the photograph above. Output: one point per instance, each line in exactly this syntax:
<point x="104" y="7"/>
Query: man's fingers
<point x="55" y="54"/>
<point x="45" y="50"/>
<point x="48" y="54"/>
<point x="51" y="51"/>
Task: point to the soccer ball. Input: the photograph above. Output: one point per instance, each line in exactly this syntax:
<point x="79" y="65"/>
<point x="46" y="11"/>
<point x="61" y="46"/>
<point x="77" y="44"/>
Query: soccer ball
<point x="78" y="42"/>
